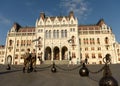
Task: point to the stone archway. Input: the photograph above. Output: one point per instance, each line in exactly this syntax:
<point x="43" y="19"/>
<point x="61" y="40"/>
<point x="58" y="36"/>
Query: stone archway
<point x="64" y="53"/>
<point x="48" y="53"/>
<point x="9" y="59"/>
<point x="56" y="53"/>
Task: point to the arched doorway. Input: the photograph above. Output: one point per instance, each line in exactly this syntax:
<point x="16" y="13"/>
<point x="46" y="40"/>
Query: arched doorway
<point x="48" y="53"/>
<point x="64" y="53"/>
<point x="9" y="59"/>
<point x="56" y="53"/>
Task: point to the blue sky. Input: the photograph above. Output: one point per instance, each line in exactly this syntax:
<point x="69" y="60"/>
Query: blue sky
<point x="25" y="12"/>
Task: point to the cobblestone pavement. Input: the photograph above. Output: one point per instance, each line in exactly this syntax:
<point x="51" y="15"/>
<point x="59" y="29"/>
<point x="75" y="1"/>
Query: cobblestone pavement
<point x="44" y="77"/>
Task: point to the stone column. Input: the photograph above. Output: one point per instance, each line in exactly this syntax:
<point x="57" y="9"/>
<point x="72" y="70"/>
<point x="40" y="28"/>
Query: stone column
<point x="52" y="55"/>
<point x="60" y="55"/>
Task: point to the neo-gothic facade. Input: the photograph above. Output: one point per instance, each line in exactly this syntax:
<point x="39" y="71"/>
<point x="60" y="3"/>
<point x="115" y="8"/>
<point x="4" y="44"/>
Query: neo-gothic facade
<point x="61" y="38"/>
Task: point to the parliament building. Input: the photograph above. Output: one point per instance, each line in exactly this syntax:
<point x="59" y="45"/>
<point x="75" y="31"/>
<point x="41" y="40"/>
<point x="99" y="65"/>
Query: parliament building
<point x="61" y="39"/>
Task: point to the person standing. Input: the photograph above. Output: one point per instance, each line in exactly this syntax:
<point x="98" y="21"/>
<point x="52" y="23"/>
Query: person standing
<point x="86" y="60"/>
<point x="27" y="60"/>
<point x="33" y="60"/>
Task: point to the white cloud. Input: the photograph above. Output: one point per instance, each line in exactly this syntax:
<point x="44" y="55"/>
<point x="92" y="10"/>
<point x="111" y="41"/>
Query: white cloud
<point x="79" y="7"/>
<point x="4" y="20"/>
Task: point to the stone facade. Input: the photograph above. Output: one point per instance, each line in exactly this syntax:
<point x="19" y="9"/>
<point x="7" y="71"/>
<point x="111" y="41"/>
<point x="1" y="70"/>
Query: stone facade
<point x="60" y="39"/>
<point x="2" y="53"/>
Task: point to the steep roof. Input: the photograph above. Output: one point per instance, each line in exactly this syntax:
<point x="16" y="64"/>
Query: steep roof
<point x="26" y="29"/>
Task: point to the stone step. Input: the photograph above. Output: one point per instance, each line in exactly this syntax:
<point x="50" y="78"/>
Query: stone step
<point x="56" y="62"/>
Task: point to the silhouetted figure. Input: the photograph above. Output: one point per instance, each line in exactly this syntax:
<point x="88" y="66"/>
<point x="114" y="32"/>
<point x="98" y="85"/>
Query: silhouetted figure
<point x="33" y="60"/>
<point x="86" y="60"/>
<point x="27" y="61"/>
<point x="8" y="67"/>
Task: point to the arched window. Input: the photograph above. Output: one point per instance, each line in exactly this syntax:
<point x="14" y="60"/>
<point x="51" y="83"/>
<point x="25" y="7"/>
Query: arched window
<point x="46" y="33"/>
<point x="79" y="40"/>
<point x="98" y="41"/>
<point x="62" y="33"/>
<point x="21" y="42"/>
<point x="54" y="34"/>
<point x="10" y="42"/>
<point x="93" y="41"/>
<point x="87" y="41"/>
<point x="93" y="55"/>
<point x="86" y="55"/>
<point x="17" y="42"/>
<point x="24" y="42"/>
<point x="49" y="33"/>
<point x="30" y="42"/>
<point x="106" y="40"/>
<point x="84" y="41"/>
<point x="57" y="33"/>
<point x="65" y="33"/>
<point x="90" y="41"/>
<point x="99" y="55"/>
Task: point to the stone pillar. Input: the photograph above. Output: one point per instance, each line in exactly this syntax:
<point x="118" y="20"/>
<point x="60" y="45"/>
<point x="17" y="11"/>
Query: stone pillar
<point x="52" y="55"/>
<point x="60" y="55"/>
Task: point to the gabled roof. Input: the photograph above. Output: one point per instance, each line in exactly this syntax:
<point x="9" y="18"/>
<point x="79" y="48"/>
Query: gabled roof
<point x="26" y="29"/>
<point x="92" y="26"/>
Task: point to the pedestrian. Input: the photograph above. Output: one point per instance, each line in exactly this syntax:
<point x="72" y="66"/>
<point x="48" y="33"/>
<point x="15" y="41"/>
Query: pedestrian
<point x="27" y="61"/>
<point x="86" y="60"/>
<point x="33" y="60"/>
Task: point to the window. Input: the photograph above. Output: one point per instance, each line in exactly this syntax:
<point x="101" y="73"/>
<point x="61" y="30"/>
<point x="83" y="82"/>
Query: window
<point x="57" y="33"/>
<point x="22" y="50"/>
<point x="118" y="59"/>
<point x="98" y="41"/>
<point x="10" y="42"/>
<point x="24" y="42"/>
<point x="17" y="42"/>
<point x="17" y="50"/>
<point x="72" y="29"/>
<point x="65" y="33"/>
<point x="16" y="56"/>
<point x="106" y="40"/>
<point x="21" y="42"/>
<point x="84" y="41"/>
<point x="46" y="33"/>
<point x="54" y="34"/>
<point x="99" y="48"/>
<point x="62" y="33"/>
<point x="99" y="55"/>
<point x="90" y="41"/>
<point x="73" y="55"/>
<point x="86" y="55"/>
<point x="92" y="48"/>
<point x="86" y="49"/>
<point x="79" y="40"/>
<point x="49" y="33"/>
<point x="93" y="55"/>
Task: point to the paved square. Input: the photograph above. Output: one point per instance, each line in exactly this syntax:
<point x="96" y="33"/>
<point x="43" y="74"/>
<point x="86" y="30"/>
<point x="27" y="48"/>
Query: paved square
<point x="44" y="77"/>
